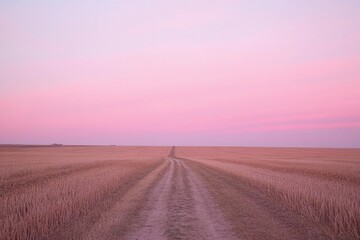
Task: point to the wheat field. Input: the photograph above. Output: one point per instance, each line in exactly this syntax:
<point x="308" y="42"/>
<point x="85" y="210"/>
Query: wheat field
<point x="113" y="192"/>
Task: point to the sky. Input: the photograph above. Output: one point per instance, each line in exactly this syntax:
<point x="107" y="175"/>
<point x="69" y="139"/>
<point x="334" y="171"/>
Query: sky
<point x="191" y="72"/>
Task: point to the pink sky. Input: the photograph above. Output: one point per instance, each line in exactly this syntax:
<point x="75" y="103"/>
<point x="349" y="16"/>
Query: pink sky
<point x="253" y="73"/>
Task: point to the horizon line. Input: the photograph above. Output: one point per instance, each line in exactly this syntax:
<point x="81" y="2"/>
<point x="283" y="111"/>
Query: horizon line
<point x="140" y="145"/>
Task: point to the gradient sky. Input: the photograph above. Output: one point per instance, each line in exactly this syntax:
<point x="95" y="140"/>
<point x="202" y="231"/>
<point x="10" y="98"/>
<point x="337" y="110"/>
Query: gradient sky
<point x="253" y="73"/>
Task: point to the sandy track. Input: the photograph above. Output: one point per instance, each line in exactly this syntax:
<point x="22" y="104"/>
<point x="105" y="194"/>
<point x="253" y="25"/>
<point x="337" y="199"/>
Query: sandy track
<point x="180" y="207"/>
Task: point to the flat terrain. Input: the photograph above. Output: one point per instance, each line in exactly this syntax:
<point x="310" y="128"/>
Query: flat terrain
<point x="110" y="192"/>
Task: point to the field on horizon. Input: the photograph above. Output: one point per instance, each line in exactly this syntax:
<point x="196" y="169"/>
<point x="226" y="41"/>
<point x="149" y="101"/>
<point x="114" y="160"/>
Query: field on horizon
<point x="117" y="192"/>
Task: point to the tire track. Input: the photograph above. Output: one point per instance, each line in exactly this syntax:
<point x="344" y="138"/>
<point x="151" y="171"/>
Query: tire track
<point x="180" y="207"/>
<point x="151" y="222"/>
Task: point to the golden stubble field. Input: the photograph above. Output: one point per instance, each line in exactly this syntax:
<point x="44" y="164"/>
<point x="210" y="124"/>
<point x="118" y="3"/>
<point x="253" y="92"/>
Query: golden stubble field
<point x="112" y="192"/>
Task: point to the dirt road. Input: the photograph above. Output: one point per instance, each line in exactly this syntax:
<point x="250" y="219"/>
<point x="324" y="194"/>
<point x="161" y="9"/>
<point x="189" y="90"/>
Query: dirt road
<point x="181" y="207"/>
